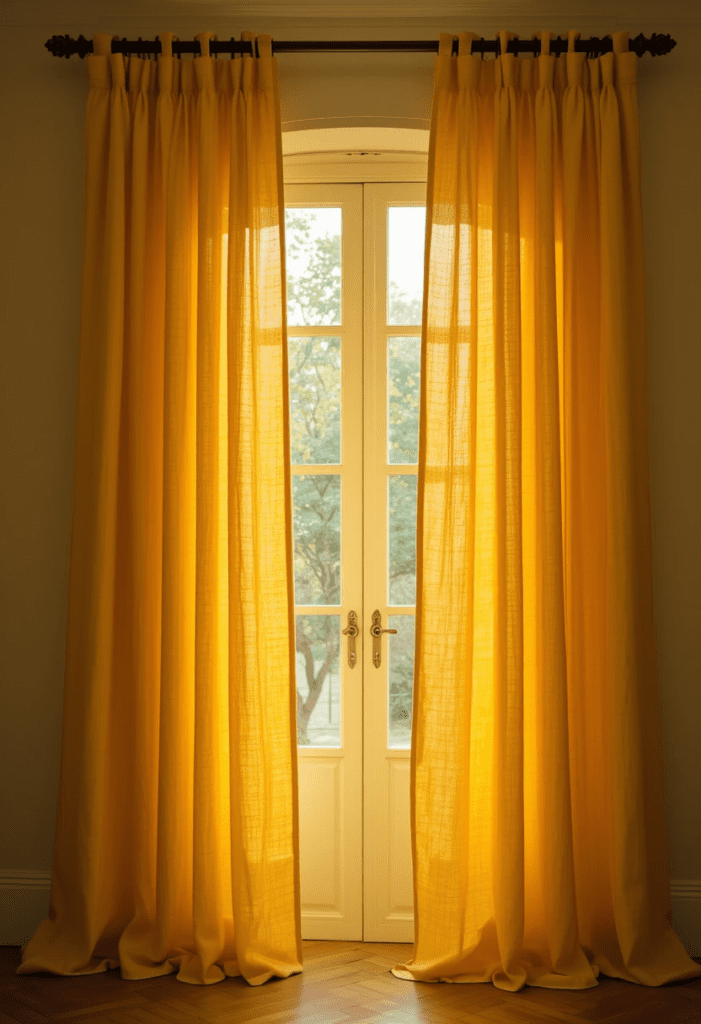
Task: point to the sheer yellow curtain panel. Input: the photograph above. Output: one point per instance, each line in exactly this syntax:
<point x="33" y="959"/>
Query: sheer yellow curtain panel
<point x="537" y="811"/>
<point x="176" y="841"/>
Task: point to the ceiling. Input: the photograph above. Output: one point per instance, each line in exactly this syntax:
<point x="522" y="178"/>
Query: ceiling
<point x="574" y="12"/>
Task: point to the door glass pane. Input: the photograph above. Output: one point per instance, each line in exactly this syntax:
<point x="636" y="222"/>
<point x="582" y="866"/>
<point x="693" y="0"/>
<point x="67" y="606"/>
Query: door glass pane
<point x="313" y="259"/>
<point x="400" y="681"/>
<point x="315" y="400"/>
<point x="405" y="263"/>
<point x="404" y="359"/>
<point x="318" y="681"/>
<point x="316" y="514"/>
<point x="402" y="539"/>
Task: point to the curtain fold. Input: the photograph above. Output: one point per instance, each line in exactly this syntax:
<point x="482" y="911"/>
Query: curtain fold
<point x="177" y="841"/>
<point x="537" y="818"/>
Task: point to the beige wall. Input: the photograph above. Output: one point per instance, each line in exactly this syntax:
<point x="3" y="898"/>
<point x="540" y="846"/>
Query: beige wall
<point x="42" y="177"/>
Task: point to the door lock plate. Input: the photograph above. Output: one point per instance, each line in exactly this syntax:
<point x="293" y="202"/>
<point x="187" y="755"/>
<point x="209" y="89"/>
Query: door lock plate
<point x="351" y="631"/>
<point x="376" y="632"/>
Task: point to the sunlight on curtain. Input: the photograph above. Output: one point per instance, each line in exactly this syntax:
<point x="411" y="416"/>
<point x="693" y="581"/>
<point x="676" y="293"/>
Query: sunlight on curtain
<point x="176" y="845"/>
<point x="538" y="827"/>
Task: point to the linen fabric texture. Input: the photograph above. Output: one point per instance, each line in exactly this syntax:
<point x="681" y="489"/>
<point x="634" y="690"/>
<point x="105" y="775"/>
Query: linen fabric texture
<point x="537" y="817"/>
<point x="177" y="844"/>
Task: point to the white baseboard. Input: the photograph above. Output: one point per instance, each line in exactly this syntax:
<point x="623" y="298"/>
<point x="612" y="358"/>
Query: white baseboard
<point x="24" y="903"/>
<point x="686" y="913"/>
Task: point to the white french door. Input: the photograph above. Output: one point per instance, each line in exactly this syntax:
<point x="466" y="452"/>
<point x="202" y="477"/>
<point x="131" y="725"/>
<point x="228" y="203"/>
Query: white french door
<point x="354" y="277"/>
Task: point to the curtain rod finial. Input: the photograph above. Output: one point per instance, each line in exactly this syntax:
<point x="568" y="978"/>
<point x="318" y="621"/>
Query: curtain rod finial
<point x="658" y="45"/>
<point x="64" y="46"/>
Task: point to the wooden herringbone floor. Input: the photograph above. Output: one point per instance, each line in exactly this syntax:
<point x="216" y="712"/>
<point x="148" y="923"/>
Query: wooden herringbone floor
<point x="342" y="982"/>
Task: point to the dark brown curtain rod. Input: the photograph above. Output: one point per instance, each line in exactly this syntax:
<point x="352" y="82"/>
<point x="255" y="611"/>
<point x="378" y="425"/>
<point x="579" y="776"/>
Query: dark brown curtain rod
<point x="657" y="45"/>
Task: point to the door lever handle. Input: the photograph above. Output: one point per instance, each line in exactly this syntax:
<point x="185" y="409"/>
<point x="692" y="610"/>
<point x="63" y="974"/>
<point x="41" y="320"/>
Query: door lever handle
<point x="376" y="632"/>
<point x="351" y="631"/>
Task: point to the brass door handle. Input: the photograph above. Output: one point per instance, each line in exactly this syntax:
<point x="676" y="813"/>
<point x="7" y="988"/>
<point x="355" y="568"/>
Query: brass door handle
<point x="351" y="631"/>
<point x="376" y="632"/>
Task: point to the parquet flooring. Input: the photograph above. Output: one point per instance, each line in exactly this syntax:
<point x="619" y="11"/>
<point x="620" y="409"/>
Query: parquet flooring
<point x="342" y="983"/>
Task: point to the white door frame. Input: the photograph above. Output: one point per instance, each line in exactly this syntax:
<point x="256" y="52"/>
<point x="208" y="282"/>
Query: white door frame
<point x="355" y="154"/>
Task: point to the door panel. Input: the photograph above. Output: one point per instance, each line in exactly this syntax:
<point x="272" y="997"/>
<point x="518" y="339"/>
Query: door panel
<point x="324" y="245"/>
<point x="394" y="239"/>
<point x="326" y="892"/>
<point x="355" y="266"/>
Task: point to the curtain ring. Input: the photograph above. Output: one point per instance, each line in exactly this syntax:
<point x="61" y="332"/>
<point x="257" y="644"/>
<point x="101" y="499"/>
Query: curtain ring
<point x="204" y="39"/>
<point x="163" y="49"/>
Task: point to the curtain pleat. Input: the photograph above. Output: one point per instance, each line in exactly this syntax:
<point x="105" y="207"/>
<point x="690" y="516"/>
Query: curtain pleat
<point x="176" y="843"/>
<point x="537" y="818"/>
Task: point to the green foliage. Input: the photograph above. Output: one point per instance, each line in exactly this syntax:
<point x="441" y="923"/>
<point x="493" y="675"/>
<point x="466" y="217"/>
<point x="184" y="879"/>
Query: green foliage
<point x="401" y="680"/>
<point x="404" y="379"/>
<point x="318" y="643"/>
<point x="317" y="538"/>
<point x="402" y="539"/>
<point x="315" y="400"/>
<point x="314" y="296"/>
<point x="402" y="309"/>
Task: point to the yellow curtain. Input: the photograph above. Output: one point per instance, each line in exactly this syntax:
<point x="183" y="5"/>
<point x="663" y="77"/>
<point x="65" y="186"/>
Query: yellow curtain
<point x="176" y="843"/>
<point x="536" y="777"/>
